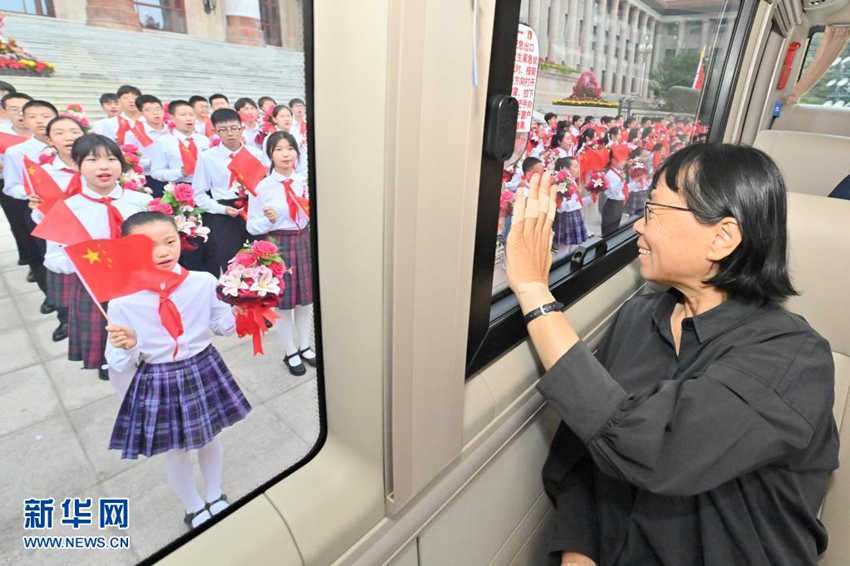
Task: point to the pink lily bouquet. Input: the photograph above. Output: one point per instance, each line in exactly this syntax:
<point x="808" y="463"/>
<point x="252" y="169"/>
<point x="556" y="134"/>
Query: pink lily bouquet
<point x="179" y="201"/>
<point x="134" y="179"/>
<point x="253" y="282"/>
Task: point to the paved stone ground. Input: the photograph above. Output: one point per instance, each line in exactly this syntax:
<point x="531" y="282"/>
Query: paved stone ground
<point x="56" y="419"/>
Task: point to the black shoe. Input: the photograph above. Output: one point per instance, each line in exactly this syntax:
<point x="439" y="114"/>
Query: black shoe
<point x="103" y="374"/>
<point x="311" y="361"/>
<point x="61" y="332"/>
<point x="46" y="308"/>
<point x="222" y="497"/>
<point x="294" y="370"/>
<point x="30" y="276"/>
<point x="23" y="261"/>
<point x="191" y="517"/>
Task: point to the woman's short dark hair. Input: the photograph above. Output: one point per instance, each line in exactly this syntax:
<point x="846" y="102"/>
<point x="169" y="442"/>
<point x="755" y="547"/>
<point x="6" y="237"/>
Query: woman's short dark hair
<point x="92" y="144"/>
<point x="723" y="180"/>
<point x="275" y="138"/>
<point x="145" y="217"/>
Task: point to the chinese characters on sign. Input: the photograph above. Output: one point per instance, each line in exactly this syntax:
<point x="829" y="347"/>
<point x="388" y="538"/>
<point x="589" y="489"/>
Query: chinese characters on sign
<point x="112" y="512"/>
<point x="525" y="76"/>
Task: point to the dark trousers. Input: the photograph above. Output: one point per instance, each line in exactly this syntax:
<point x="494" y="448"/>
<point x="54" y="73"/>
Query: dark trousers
<point x="38" y="247"/>
<point x="17" y="211"/>
<point x="227" y="234"/>
<point x="612" y="213"/>
<point x="193" y="259"/>
<point x="156" y="186"/>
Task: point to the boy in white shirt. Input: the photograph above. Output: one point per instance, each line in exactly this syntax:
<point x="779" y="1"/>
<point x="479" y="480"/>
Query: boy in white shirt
<point x="146" y="133"/>
<point x="176" y="154"/>
<point x="119" y="125"/>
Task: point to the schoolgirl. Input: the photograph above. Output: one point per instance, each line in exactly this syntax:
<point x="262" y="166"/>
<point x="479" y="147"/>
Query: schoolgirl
<point x="612" y="210"/>
<point x="100" y="207"/>
<point x="249" y="114"/>
<point x="569" y="224"/>
<point x="284" y="121"/>
<point x="62" y="132"/>
<point x="182" y="394"/>
<point x="639" y="180"/>
<point x="562" y="146"/>
<point x="279" y="213"/>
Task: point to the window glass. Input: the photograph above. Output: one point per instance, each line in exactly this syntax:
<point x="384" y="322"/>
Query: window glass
<point x="202" y="100"/>
<point x="833" y="88"/>
<point x="612" y="100"/>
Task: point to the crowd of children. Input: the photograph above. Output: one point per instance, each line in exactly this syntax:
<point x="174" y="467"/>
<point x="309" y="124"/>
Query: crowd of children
<point x="605" y="162"/>
<point x="177" y="393"/>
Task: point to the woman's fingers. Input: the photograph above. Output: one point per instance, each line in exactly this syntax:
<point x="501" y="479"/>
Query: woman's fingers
<point x="519" y="210"/>
<point x="532" y="207"/>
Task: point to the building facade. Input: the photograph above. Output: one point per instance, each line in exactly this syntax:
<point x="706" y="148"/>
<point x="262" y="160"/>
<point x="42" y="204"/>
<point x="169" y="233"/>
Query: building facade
<point x="249" y="22"/>
<point x="621" y="41"/>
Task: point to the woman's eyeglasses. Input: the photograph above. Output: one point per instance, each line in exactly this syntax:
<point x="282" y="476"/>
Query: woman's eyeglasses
<point x="648" y="204"/>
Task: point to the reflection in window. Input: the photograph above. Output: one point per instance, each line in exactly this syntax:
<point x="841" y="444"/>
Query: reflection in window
<point x="36" y="7"/>
<point x="201" y="125"/>
<point x="833" y="88"/>
<point x="607" y="112"/>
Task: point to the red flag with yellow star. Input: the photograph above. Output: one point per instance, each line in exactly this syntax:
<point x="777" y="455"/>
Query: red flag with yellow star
<point x="38" y="182"/>
<point x="62" y="226"/>
<point x="8" y="140"/>
<point x="247" y="169"/>
<point x="116" y="267"/>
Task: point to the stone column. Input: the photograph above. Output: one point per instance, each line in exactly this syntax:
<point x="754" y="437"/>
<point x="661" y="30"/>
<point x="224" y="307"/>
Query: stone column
<point x="650" y="58"/>
<point x="680" y="41"/>
<point x="704" y="32"/>
<point x="611" y="48"/>
<point x="644" y="62"/>
<point x="243" y="22"/>
<point x="292" y="24"/>
<point x="534" y="15"/>
<point x="657" y="42"/>
<point x="120" y="14"/>
<point x="573" y="18"/>
<point x="555" y="52"/>
<point x="586" y="36"/>
<point x="601" y="25"/>
<point x="621" y="47"/>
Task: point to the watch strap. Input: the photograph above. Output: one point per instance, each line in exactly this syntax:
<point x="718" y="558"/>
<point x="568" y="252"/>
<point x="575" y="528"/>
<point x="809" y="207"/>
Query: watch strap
<point x="547" y="308"/>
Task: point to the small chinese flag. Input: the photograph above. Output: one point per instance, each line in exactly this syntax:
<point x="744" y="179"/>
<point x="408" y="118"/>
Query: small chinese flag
<point x="62" y="226"/>
<point x="247" y="169"/>
<point x="209" y="130"/>
<point x="38" y="182"/>
<point x="699" y="77"/>
<point x="8" y="140"/>
<point x="189" y="155"/>
<point x="116" y="267"/>
<point x="620" y="151"/>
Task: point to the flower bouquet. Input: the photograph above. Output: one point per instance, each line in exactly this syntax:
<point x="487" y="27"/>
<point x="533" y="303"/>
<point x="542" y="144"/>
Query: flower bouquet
<point x="179" y="201"/>
<point x="253" y="282"/>
<point x="597" y="183"/>
<point x="134" y="179"/>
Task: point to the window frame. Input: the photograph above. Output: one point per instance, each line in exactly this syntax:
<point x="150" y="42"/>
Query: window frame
<point x="259" y="491"/>
<point x="812" y="31"/>
<point x="488" y="339"/>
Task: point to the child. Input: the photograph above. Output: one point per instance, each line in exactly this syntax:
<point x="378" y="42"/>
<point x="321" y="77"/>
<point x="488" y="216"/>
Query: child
<point x="279" y="214"/>
<point x="201" y="108"/>
<point x="182" y="394"/>
<point x="62" y="132"/>
<point x="639" y="180"/>
<point x="171" y="164"/>
<point x="151" y="129"/>
<point x="12" y="104"/>
<point x="249" y="115"/>
<point x="569" y="223"/>
<point x="217" y="192"/>
<point x="218" y="101"/>
<point x="266" y="103"/>
<point x="299" y="112"/>
<point x="283" y="119"/>
<point x="612" y="210"/>
<point x="562" y="146"/>
<point x="530" y="166"/>
<point x="100" y="207"/>
<point x="119" y="125"/>
<point x="36" y="115"/>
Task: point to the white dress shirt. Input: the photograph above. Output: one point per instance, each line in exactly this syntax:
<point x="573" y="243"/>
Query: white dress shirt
<point x="167" y="164"/>
<point x="6" y="128"/>
<point x="147" y="152"/>
<point x="271" y="194"/>
<point x="109" y="126"/>
<point x="615" y="185"/>
<point x="212" y="177"/>
<point x="570" y="203"/>
<point x="13" y="166"/>
<point x="202" y="314"/>
<point x="249" y="137"/>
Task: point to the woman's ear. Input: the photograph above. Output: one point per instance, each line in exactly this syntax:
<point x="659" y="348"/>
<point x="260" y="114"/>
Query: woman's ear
<point x="727" y="237"/>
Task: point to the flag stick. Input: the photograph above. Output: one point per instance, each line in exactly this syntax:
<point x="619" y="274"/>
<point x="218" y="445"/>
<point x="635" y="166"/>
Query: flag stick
<point x="93" y="298"/>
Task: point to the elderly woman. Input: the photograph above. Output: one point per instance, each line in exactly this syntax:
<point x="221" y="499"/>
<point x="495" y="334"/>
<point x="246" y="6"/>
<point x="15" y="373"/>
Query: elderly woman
<point x="701" y="432"/>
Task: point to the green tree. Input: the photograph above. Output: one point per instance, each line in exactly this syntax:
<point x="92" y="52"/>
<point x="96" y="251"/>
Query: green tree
<point x="820" y="93"/>
<point x="675" y="70"/>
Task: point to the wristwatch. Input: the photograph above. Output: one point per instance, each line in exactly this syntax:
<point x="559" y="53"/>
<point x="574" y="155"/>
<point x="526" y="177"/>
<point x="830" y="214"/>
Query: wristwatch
<point x="554" y="306"/>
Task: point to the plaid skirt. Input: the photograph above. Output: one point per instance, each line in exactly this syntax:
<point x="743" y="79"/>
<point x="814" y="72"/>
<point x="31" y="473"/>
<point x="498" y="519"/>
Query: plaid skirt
<point x="59" y="287"/>
<point x="294" y="247"/>
<point x="636" y="201"/>
<point x="569" y="228"/>
<point x="177" y="405"/>
<point x="86" y="328"/>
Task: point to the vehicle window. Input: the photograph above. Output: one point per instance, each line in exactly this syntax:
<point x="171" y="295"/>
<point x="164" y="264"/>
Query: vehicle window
<point x="205" y="388"/>
<point x="618" y="89"/>
<point x="833" y="88"/>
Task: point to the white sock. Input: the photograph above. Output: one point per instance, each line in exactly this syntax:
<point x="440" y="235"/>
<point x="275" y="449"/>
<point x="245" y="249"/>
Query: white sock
<point x="181" y="478"/>
<point x="285" y="331"/>
<point x="210" y="461"/>
<point x="303" y="322"/>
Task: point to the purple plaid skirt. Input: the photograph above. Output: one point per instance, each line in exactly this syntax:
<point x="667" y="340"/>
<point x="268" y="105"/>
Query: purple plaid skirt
<point x="569" y="228"/>
<point x="636" y="201"/>
<point x="86" y="328"/>
<point x="294" y="247"/>
<point x="59" y="287"/>
<point x="177" y="405"/>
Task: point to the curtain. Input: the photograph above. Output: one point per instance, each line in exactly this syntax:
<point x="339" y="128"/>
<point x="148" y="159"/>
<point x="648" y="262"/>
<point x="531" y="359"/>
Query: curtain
<point x="833" y="43"/>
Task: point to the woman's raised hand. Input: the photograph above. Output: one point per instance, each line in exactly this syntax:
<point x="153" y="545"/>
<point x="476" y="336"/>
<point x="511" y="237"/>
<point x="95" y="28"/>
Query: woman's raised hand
<point x="528" y="250"/>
